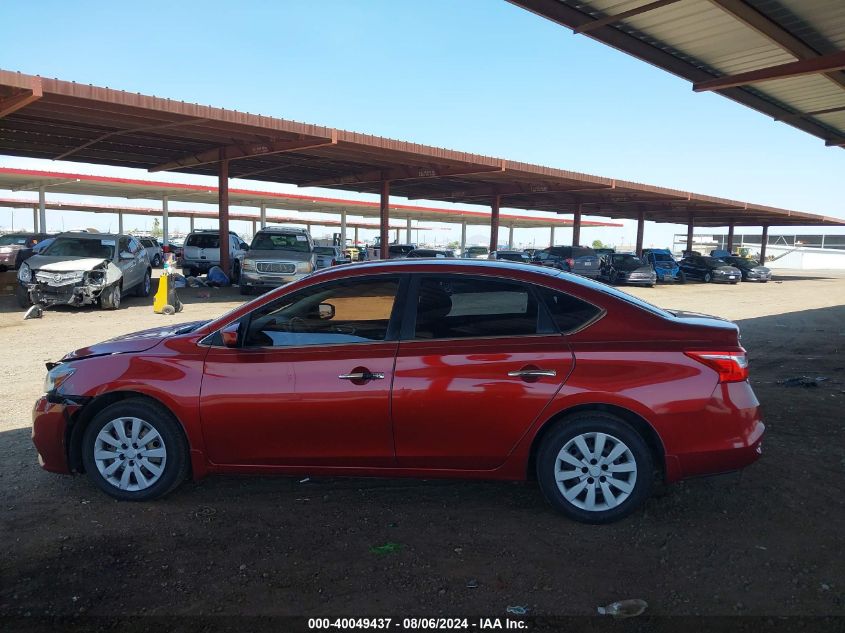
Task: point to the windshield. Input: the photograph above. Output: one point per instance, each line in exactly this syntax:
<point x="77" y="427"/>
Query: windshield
<point x="714" y="261"/>
<point x="477" y="250"/>
<point x="6" y="240"/>
<point x="80" y="247"/>
<point x="662" y="257"/>
<point x="281" y="242"/>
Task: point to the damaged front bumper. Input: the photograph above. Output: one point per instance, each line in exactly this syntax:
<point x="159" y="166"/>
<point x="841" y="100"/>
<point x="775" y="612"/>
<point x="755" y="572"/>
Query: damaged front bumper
<point x="58" y="291"/>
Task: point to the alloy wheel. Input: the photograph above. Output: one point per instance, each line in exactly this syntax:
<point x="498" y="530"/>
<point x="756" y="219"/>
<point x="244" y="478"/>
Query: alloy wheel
<point x="130" y="453"/>
<point x="595" y="471"/>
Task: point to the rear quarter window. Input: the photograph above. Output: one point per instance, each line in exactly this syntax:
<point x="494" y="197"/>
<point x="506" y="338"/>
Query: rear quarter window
<point x="569" y="313"/>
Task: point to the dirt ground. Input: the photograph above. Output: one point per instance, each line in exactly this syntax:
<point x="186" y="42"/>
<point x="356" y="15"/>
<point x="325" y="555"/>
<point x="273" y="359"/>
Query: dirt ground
<point x="766" y="542"/>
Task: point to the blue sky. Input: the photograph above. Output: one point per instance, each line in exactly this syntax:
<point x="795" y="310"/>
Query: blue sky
<point x="474" y="75"/>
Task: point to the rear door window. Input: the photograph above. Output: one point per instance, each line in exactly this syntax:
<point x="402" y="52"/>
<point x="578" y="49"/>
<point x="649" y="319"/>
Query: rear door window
<point x="458" y="307"/>
<point x="203" y="240"/>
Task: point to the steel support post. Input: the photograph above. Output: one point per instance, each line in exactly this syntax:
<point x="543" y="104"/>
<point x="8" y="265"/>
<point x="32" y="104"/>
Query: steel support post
<point x="494" y="222"/>
<point x="384" y="220"/>
<point x="223" y="211"/>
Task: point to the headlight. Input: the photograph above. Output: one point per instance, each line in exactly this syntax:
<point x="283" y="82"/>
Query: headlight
<point x="304" y="267"/>
<point x="248" y="265"/>
<point x="57" y="376"/>
<point x="24" y="273"/>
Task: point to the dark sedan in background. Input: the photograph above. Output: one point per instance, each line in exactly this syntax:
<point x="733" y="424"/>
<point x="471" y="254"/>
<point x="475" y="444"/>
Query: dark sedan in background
<point x="580" y="260"/>
<point x="750" y="269"/>
<point x="709" y="269"/>
<point x="430" y="252"/>
<point x="626" y="268"/>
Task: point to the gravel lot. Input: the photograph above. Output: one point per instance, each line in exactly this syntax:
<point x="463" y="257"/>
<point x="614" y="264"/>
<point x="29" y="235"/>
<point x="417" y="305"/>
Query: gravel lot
<point x="766" y="542"/>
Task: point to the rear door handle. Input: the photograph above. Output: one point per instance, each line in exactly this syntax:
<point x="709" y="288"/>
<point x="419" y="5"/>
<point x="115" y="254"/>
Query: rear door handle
<point x="532" y="373"/>
<point x="363" y="375"/>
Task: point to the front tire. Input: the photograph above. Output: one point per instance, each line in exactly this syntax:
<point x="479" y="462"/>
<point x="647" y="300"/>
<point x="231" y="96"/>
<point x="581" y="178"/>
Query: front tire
<point x="682" y="277"/>
<point x="110" y="297"/>
<point x="594" y="468"/>
<point x="134" y="450"/>
<point x="708" y="277"/>
<point x="22" y="295"/>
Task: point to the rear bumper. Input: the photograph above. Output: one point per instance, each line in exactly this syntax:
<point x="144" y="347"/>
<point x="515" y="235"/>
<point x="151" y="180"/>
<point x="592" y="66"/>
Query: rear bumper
<point x="726" y="436"/>
<point x="49" y="433"/>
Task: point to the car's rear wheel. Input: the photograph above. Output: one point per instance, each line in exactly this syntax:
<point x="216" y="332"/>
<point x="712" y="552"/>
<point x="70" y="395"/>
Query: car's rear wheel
<point x="594" y="468"/>
<point x="134" y="450"/>
<point x="708" y="277"/>
<point x="143" y="288"/>
<point x="236" y="272"/>
<point x="110" y="297"/>
<point x="244" y="290"/>
<point x="682" y="277"/>
<point x="156" y="261"/>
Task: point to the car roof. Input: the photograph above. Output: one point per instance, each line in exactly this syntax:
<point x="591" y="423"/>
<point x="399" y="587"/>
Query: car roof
<point x="286" y="229"/>
<point x="92" y="236"/>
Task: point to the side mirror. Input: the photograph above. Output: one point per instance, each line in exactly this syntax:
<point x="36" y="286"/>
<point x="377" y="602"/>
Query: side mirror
<point x="126" y="255"/>
<point x="326" y="311"/>
<point x="229" y="334"/>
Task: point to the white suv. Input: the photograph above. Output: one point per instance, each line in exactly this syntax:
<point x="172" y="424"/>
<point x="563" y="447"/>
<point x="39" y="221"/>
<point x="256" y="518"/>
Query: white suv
<point x="202" y="251"/>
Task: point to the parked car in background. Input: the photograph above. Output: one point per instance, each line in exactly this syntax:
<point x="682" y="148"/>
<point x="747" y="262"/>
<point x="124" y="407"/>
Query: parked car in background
<point x="750" y="269"/>
<point x="600" y="252"/>
<point x="81" y="269"/>
<point x="430" y="252"/>
<point x="709" y="269"/>
<point x="329" y="256"/>
<point x="511" y="256"/>
<point x="626" y="268"/>
<point x="153" y="249"/>
<point x="400" y="250"/>
<point x="665" y="266"/>
<point x="580" y="260"/>
<point x="174" y="245"/>
<point x="202" y="251"/>
<point x="15" y="248"/>
<point x="278" y="255"/>
<point x="594" y="415"/>
<point x="476" y="252"/>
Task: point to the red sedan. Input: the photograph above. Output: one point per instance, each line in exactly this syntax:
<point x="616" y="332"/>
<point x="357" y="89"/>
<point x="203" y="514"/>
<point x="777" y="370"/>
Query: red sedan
<point x="423" y="368"/>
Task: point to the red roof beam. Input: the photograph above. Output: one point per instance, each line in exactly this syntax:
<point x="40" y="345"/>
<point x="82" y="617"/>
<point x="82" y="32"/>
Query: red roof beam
<point x="813" y="66"/>
<point x="613" y="19"/>
<point x="404" y="173"/>
<point x="246" y="150"/>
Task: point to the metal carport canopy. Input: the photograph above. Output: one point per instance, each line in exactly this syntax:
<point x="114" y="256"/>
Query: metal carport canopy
<point x="61" y="120"/>
<point x="17" y="180"/>
<point x="783" y="58"/>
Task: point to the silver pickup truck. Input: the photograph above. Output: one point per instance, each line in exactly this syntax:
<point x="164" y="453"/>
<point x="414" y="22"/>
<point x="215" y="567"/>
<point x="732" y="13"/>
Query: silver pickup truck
<point x="278" y="255"/>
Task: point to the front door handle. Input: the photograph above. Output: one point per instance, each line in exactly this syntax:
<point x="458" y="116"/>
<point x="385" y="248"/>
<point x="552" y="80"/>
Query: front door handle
<point x="363" y="375"/>
<point x="532" y="373"/>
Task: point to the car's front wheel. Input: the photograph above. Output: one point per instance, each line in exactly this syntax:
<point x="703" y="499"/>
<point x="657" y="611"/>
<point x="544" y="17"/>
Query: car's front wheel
<point x="134" y="450"/>
<point x="22" y="295"/>
<point x="594" y="468"/>
<point x="708" y="277"/>
<point x="110" y="297"/>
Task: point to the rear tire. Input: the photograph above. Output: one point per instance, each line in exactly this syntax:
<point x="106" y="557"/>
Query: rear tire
<point x="236" y="272"/>
<point x="682" y="277"/>
<point x="594" y="468"/>
<point x="156" y="261"/>
<point x="244" y="290"/>
<point x="134" y="450"/>
<point x="143" y="288"/>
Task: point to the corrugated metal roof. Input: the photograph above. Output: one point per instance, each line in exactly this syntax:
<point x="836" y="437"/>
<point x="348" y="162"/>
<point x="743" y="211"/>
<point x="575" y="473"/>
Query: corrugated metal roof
<point x="706" y="39"/>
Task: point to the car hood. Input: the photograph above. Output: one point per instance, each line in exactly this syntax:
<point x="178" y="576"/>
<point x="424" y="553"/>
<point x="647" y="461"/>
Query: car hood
<point x="728" y="270"/>
<point x="60" y="264"/>
<point x="279" y="255"/>
<point x="134" y="342"/>
<point x="760" y="269"/>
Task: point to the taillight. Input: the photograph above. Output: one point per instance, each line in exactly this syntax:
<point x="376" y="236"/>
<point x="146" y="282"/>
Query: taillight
<point x="731" y="366"/>
<point x="570" y="262"/>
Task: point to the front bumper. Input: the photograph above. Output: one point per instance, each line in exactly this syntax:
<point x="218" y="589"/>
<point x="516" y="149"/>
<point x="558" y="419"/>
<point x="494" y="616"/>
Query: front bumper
<point x="758" y="277"/>
<point x="264" y="280"/>
<point x="74" y="294"/>
<point x="727" y="279"/>
<point x="200" y="265"/>
<point x="639" y="281"/>
<point x="8" y="261"/>
<point x="50" y="422"/>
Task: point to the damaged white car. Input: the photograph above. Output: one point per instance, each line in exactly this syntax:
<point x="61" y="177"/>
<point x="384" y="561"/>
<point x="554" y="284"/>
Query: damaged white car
<point x="81" y="269"/>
